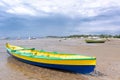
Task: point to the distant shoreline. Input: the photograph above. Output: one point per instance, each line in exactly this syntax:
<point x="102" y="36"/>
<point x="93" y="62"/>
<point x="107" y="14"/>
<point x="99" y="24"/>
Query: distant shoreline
<point x="70" y="36"/>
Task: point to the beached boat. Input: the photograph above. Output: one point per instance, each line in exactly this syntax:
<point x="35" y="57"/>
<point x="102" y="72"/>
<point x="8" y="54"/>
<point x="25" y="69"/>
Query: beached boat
<point x="68" y="62"/>
<point x="95" y="40"/>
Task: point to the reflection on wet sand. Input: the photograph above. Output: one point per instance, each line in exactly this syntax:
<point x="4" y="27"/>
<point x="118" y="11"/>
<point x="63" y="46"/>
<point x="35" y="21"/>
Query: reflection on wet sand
<point x="40" y="73"/>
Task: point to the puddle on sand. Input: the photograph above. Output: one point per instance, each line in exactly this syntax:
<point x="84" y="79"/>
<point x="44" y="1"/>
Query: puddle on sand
<point x="97" y="73"/>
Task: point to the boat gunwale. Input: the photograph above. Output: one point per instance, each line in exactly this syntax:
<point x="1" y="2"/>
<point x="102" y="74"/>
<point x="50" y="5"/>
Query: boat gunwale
<point x="51" y="58"/>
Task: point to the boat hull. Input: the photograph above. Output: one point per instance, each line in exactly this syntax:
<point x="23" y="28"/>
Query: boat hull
<point x="95" y="41"/>
<point x="84" y="69"/>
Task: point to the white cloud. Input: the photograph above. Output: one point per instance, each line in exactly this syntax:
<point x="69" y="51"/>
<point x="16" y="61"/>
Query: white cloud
<point x="2" y="4"/>
<point x="21" y="10"/>
<point x="84" y="8"/>
<point x="12" y="3"/>
<point x="97" y="26"/>
<point x="100" y="28"/>
<point x="86" y="16"/>
<point x="97" y="30"/>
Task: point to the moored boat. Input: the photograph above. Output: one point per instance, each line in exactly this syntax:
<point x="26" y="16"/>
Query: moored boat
<point x="69" y="62"/>
<point x="95" y="40"/>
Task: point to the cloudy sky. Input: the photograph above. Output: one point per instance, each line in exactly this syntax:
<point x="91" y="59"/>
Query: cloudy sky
<point x="59" y="17"/>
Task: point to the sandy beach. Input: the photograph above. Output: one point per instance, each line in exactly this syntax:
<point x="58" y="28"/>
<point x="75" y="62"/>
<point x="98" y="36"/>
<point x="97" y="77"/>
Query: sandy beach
<point x="107" y="54"/>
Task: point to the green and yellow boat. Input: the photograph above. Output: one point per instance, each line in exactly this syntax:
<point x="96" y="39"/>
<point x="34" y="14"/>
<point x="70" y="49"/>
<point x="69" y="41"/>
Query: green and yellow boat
<point x="68" y="62"/>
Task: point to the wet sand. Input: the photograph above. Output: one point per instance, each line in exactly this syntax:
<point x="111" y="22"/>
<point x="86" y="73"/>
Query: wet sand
<point x="107" y="54"/>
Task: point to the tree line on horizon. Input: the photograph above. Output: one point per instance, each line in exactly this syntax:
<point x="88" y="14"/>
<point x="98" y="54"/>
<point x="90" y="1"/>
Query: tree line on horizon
<point x="86" y="36"/>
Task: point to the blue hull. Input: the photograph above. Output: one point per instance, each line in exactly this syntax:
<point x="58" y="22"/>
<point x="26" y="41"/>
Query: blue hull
<point x="84" y="69"/>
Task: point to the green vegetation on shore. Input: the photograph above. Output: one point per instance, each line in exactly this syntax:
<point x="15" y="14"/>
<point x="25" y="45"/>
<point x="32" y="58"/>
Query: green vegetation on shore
<point x="69" y="36"/>
<point x="85" y="36"/>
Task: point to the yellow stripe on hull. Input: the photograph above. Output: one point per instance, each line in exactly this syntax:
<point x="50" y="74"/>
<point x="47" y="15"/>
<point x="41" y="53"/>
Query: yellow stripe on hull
<point x="60" y="62"/>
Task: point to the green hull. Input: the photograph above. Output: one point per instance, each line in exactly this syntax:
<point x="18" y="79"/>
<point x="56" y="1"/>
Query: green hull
<point x="95" y="41"/>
